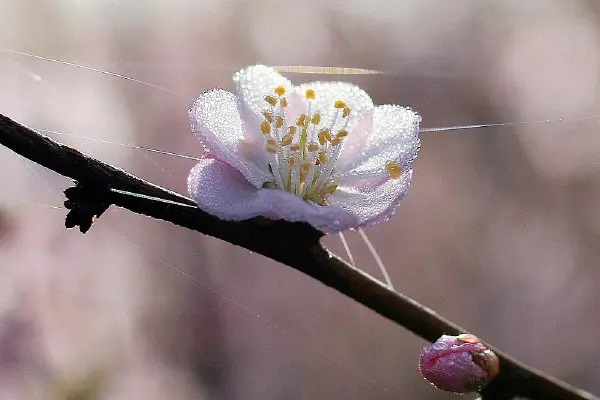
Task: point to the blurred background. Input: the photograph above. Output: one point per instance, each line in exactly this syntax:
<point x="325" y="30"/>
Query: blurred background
<point x="500" y="230"/>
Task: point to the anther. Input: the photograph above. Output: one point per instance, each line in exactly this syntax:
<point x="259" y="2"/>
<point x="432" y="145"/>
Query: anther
<point x="310" y="94"/>
<point x="292" y="130"/>
<point x="312" y="146"/>
<point x="335" y="141"/>
<point x="265" y="127"/>
<point x="324" y="136"/>
<point x="316" y="119"/>
<point x="268" y="115"/>
<point x="287" y="140"/>
<point x="339" y="104"/>
<point x="279" y="91"/>
<point x="342" y="134"/>
<point x="271" y="100"/>
<point x="346" y="112"/>
<point x="301" y="119"/>
<point x="295" y="147"/>
<point x="278" y="121"/>
<point x="394" y="169"/>
<point x="283" y="102"/>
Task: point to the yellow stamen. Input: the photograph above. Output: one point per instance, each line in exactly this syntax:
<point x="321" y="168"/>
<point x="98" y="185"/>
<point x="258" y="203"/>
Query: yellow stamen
<point x="316" y="119"/>
<point x="346" y="112"/>
<point x="312" y="146"/>
<point x="278" y="121"/>
<point x="279" y="91"/>
<point x="394" y="169"/>
<point x="310" y="94"/>
<point x="268" y="115"/>
<point x="295" y="147"/>
<point x="324" y="136"/>
<point x="339" y="104"/>
<point x="292" y="130"/>
<point x="283" y="102"/>
<point x="265" y="127"/>
<point x="271" y="100"/>
<point x="301" y="119"/>
<point x="287" y="140"/>
<point x="322" y="157"/>
<point x="341" y="134"/>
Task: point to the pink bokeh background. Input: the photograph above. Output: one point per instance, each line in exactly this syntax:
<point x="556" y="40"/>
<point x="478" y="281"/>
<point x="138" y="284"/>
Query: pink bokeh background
<point x="499" y="232"/>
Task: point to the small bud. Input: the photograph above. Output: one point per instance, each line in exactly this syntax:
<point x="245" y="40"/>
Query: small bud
<point x="460" y="364"/>
<point x="271" y="100"/>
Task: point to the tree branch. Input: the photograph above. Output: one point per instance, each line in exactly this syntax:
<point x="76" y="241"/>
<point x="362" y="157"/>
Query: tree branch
<point x="297" y="245"/>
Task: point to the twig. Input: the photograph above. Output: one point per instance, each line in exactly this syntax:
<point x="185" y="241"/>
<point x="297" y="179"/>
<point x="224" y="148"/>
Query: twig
<point x="294" y="244"/>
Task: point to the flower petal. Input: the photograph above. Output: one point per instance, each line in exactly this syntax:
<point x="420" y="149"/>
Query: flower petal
<point x="327" y="93"/>
<point x="215" y="120"/>
<point x="222" y="191"/>
<point x="256" y="82"/>
<point x="371" y="200"/>
<point x="395" y="137"/>
<point x="328" y="219"/>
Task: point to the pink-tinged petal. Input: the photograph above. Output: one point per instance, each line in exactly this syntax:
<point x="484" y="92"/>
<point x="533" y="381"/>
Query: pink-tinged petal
<point x="222" y="191"/>
<point x="459" y="364"/>
<point x="372" y="200"/>
<point x="395" y="137"/>
<point x="215" y="120"/>
<point x="327" y="93"/>
<point x="256" y="82"/>
<point x="328" y="219"/>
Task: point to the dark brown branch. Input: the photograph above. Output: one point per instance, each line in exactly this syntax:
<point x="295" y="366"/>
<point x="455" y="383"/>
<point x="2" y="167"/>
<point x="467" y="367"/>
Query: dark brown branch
<point x="296" y="245"/>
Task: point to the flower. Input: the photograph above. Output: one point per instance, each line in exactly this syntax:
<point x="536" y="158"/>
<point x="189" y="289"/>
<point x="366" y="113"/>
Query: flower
<point x="460" y="364"/>
<point x="320" y="153"/>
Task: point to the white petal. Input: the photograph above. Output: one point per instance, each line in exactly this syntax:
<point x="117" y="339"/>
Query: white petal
<point x="395" y="137"/>
<point x="328" y="219"/>
<point x="222" y="191"/>
<point x="371" y="200"/>
<point x="216" y="122"/>
<point x="255" y="82"/>
<point x="327" y="93"/>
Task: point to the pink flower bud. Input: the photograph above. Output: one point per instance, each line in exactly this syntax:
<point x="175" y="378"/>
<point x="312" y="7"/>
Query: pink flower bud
<point x="460" y="364"/>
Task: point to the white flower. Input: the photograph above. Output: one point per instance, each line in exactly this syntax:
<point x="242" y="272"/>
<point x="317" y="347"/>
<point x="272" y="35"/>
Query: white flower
<point x="320" y="152"/>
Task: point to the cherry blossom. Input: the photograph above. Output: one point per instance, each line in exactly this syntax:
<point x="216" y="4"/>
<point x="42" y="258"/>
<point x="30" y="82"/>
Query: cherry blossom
<point x="320" y="152"/>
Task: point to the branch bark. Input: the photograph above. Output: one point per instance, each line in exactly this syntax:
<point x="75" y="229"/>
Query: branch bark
<point x="293" y="244"/>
